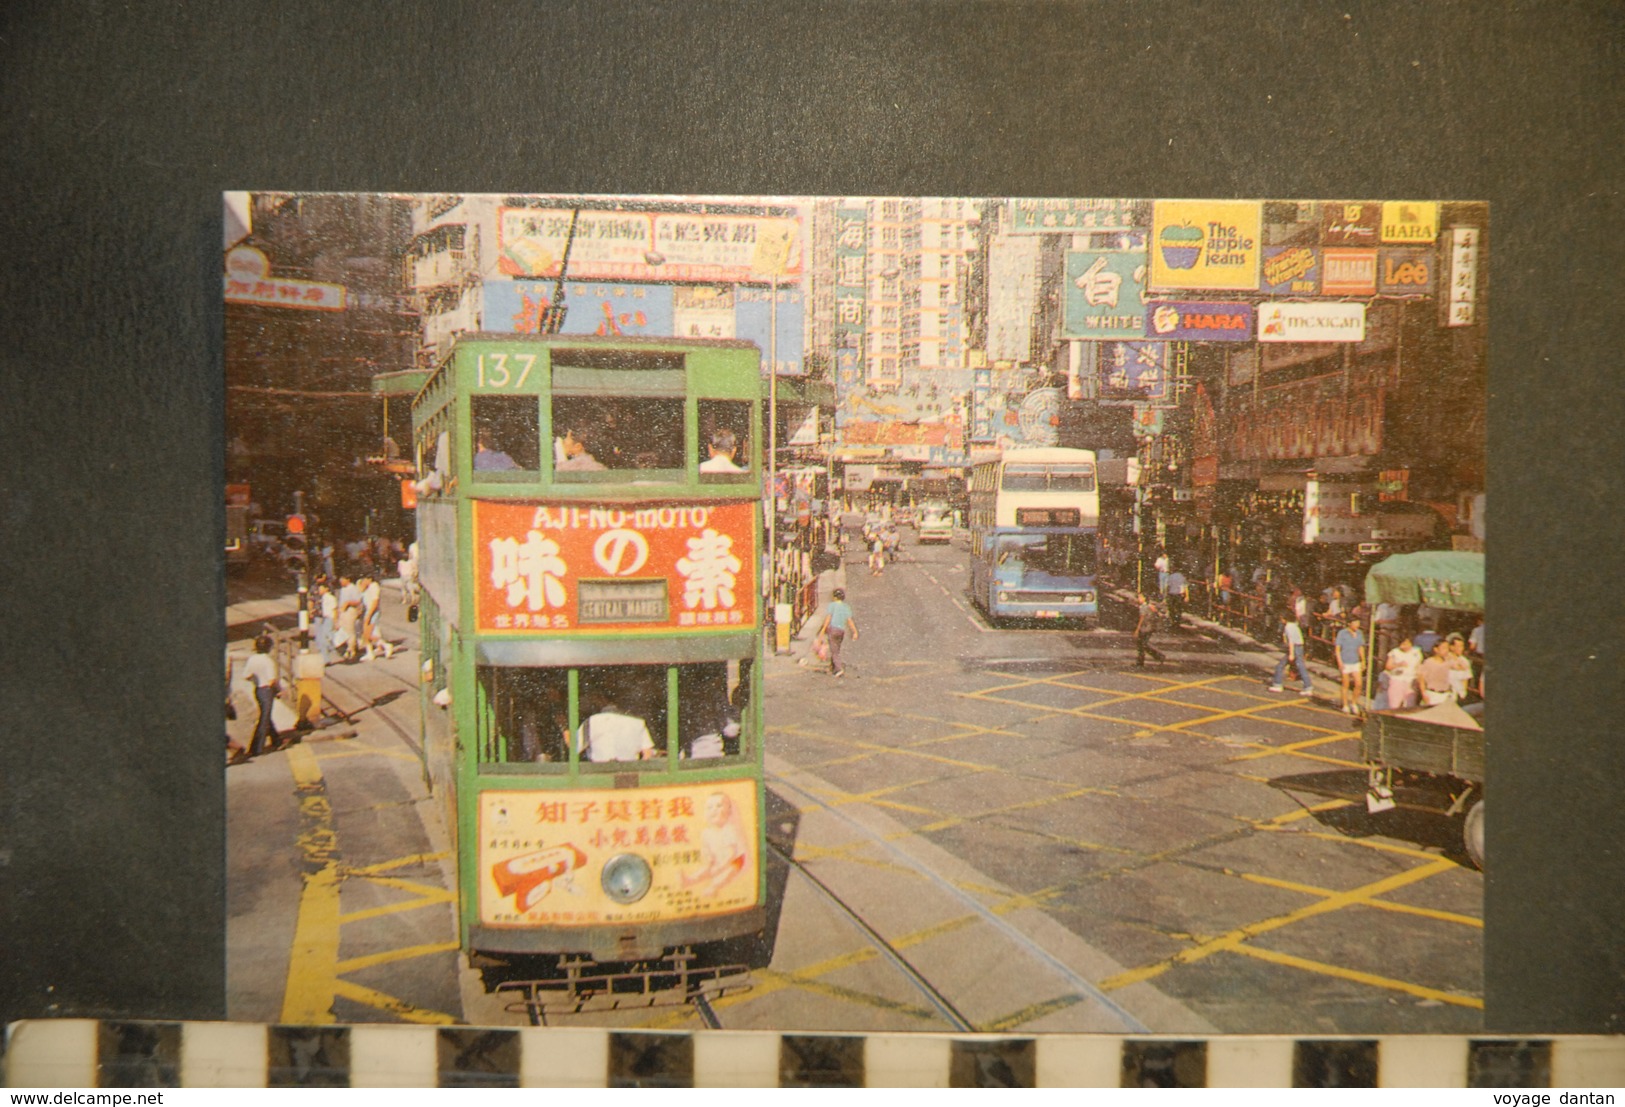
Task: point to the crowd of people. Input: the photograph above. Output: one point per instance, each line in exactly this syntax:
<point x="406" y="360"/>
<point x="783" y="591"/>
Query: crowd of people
<point x="345" y="596"/>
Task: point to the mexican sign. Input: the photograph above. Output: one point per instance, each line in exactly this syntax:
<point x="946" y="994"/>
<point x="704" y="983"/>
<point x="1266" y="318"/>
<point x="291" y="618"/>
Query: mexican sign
<point x="648" y="246"/>
<point x="568" y="567"/>
<point x="1104" y="294"/>
<point x="542" y="853"/>
<point x="1334" y="322"/>
<point x="1200" y="320"/>
<point x="1205" y="244"/>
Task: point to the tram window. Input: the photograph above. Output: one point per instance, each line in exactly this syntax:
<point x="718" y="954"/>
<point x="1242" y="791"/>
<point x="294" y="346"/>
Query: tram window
<point x="712" y="701"/>
<point x="526" y="715"/>
<point x="623" y="713"/>
<point x="724" y="445"/>
<point x="617" y="433"/>
<point x="507" y="432"/>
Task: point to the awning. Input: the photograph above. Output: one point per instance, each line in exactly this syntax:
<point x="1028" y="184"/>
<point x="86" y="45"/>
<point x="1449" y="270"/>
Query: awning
<point x="1448" y="579"/>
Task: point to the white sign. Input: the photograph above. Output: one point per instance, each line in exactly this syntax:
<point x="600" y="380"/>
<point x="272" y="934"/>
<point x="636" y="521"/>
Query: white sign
<point x="1288" y="322"/>
<point x="1463" y="276"/>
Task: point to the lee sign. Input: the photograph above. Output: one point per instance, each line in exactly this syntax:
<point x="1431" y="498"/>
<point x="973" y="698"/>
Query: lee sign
<point x="564" y="568"/>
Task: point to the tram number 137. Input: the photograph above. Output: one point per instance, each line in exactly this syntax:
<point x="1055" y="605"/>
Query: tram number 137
<point x="494" y="371"/>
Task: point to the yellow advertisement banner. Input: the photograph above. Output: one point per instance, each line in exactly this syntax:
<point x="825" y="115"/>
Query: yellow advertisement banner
<point x="1205" y="244"/>
<point x="1410" y="221"/>
<point x="613" y="856"/>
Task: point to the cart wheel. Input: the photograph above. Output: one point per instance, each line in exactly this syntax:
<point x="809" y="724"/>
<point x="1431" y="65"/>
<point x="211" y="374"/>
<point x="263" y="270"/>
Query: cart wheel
<point x="1473" y="833"/>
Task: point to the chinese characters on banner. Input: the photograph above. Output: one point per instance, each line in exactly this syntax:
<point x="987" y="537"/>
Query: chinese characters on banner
<point x="1105" y="292"/>
<point x="647" y="246"/>
<point x="1463" y="276"/>
<point x="570" y="567"/>
<point x="542" y="853"/>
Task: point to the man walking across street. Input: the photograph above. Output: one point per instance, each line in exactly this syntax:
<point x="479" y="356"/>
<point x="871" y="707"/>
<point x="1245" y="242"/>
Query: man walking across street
<point x="1350" y="646"/>
<point x="837" y="623"/>
<point x="1142" y="633"/>
<point x="1292" y="640"/>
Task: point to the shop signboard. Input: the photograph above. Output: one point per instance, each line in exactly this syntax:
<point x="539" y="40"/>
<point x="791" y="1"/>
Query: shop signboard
<point x="1460" y="300"/>
<point x="1147" y="421"/>
<point x="1350" y="223"/>
<point x="1410" y="221"/>
<point x="1040" y="417"/>
<point x="1405" y="272"/>
<point x="1298" y="422"/>
<point x="1205" y="244"/>
<point x="851" y="245"/>
<point x="605" y="308"/>
<point x="1289" y="322"/>
<point x="649" y="246"/>
<point x="981" y="426"/>
<point x="1290" y="271"/>
<point x="754" y="321"/>
<point x="1328" y="514"/>
<point x="1199" y="321"/>
<point x="1348" y="272"/>
<point x="1136" y="371"/>
<point x="249" y="281"/>
<point x="1060" y="216"/>
<point x="1105" y="294"/>
<point x="703" y="311"/>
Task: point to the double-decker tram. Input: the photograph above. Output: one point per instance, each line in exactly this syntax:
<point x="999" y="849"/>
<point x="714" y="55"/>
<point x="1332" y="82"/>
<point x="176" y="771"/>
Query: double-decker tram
<point x="589" y="528"/>
<point x="1035" y="520"/>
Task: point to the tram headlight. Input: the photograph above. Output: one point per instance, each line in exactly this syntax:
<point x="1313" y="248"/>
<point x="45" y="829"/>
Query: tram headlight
<point x="626" y="878"/>
<point x="1004" y="597"/>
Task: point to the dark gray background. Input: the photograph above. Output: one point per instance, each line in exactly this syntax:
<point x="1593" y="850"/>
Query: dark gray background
<point x="120" y="125"/>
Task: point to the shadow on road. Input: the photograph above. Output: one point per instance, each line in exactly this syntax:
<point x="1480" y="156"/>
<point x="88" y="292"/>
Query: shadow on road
<point x="1420" y="818"/>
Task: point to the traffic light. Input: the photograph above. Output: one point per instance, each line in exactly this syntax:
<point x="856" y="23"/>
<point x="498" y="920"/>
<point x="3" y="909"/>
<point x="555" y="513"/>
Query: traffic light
<point x="295" y="551"/>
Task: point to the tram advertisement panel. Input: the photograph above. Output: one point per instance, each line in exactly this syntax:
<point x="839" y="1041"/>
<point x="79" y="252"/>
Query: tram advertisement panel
<point x="567" y="567"/>
<point x="682" y="852"/>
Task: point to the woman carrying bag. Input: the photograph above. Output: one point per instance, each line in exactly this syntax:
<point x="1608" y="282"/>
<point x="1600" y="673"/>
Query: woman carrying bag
<point x="833" y="633"/>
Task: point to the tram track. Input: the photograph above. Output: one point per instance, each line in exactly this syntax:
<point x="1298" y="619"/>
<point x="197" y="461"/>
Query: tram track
<point x="1084" y="988"/>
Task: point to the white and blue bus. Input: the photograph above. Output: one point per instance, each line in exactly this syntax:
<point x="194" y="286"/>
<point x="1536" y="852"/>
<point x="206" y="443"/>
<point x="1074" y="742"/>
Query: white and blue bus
<point x="1035" y="535"/>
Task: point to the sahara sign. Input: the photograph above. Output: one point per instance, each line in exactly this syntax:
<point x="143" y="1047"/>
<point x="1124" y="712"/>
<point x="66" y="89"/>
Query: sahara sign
<point x="1205" y="244"/>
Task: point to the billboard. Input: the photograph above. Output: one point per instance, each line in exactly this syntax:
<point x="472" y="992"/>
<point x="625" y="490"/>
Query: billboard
<point x="567" y="567"/>
<point x="595" y="307"/>
<point x="1066" y="216"/>
<point x="1205" y="244"/>
<point x="1105" y="294"/>
<point x="647" y="246"/>
<point x="542" y="854"/>
<point x="1199" y="320"/>
<point x="1282" y="322"/>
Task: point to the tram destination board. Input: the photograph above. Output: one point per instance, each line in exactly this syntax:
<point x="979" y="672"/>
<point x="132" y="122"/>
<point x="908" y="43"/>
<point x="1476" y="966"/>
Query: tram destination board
<point x="622" y="601"/>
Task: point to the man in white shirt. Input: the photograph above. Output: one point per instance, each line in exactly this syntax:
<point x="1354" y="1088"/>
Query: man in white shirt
<point x="723" y="447"/>
<point x="261" y="672"/>
<point x="1292" y="641"/>
<point x="611" y="735"/>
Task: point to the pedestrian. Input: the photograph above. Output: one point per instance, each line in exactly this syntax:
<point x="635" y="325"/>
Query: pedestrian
<point x="347" y="640"/>
<point x="261" y="672"/>
<point x="1143" y="630"/>
<point x="838" y="622"/>
<point x="1292" y="654"/>
<point x="327" y="608"/>
<point x="1161" y="565"/>
<point x="877" y="555"/>
<point x="1350" y="648"/>
<point x="1433" y="676"/>
<point x="1176" y="596"/>
<point x="1461" y="666"/>
<point x="371" y="632"/>
<point x="1401" y="665"/>
<point x="1224" y="582"/>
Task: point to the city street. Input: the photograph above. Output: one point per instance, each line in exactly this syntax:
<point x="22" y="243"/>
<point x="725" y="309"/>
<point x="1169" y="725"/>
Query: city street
<point x="1004" y="829"/>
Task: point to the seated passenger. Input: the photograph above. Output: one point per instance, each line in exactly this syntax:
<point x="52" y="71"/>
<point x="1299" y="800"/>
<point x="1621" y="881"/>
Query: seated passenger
<point x="572" y="454"/>
<point x="488" y="458"/>
<point x="723" y="447"/>
<point x="714" y="742"/>
<point x="611" y="735"/>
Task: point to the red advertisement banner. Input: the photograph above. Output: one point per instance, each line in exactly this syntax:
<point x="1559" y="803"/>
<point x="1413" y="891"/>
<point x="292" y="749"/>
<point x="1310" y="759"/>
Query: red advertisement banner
<point x="563" y="568"/>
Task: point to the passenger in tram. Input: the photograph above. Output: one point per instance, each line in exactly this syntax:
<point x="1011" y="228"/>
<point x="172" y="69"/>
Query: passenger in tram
<point x="488" y="458"/>
<point x="611" y="734"/>
<point x="572" y="453"/>
<point x="723" y="447"/>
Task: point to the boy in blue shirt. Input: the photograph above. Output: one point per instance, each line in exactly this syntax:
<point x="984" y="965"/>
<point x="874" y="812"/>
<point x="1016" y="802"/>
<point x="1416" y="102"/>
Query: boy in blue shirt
<point x="1350" y="646"/>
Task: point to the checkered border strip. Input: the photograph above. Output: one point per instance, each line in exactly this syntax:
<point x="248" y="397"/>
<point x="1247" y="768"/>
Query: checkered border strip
<point x="85" y="1053"/>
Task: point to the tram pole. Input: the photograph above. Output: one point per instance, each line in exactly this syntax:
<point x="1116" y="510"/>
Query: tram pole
<point x="307" y="666"/>
<point x="780" y="631"/>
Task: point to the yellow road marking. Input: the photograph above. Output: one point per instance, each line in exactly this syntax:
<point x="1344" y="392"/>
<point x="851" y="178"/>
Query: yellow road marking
<point x="390" y="956"/>
<point x="308" y="997"/>
<point x="367" y="751"/>
<point x="1234" y="938"/>
<point x="1320" y="967"/>
<point x="1031" y="1012"/>
<point x="400" y="863"/>
<point x="382" y="1001"/>
<point x="1383" y="904"/>
<point x="1293" y="747"/>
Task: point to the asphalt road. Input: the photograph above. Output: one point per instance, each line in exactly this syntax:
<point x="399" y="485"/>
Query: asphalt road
<point x="1002" y="829"/>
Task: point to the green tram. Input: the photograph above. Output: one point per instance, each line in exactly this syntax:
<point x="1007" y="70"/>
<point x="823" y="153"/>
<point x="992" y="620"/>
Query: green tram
<point x="591" y="616"/>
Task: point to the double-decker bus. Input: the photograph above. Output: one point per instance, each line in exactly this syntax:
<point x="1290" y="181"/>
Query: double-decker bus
<point x="1034" y="520"/>
<point x="592" y="636"/>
